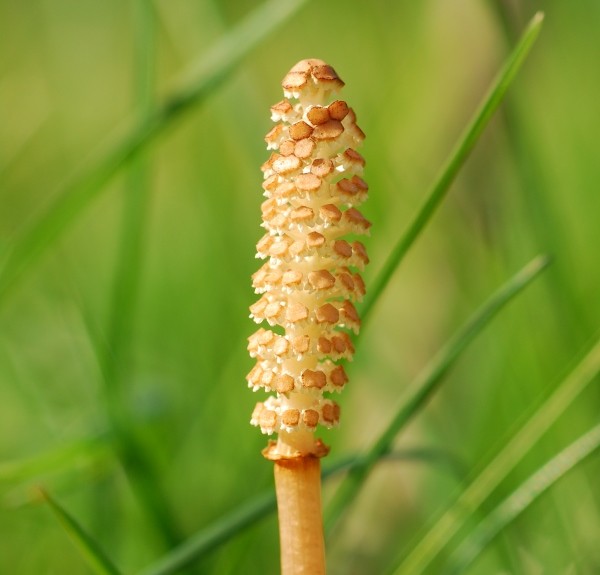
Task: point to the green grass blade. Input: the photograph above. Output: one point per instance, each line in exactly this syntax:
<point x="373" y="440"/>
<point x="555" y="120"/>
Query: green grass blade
<point x="502" y="464"/>
<point x="135" y="206"/>
<point x="61" y="457"/>
<point x="208" y="539"/>
<point x="428" y="382"/>
<point x="511" y="507"/>
<point x="122" y="308"/>
<point x="194" y="86"/>
<point x="96" y="559"/>
<point x="249" y="513"/>
<point x="455" y="161"/>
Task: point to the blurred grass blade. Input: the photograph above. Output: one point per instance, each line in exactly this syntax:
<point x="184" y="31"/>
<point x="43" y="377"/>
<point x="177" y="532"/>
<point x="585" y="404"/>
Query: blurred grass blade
<point x="135" y="203"/>
<point x="31" y="133"/>
<point x="192" y="88"/>
<point x="428" y="382"/>
<point x="514" y="451"/>
<point x="55" y="459"/>
<point x="249" y="513"/>
<point x="457" y="158"/>
<point x="522" y="498"/>
<point x="135" y="456"/>
<point x="208" y="539"/>
<point x="98" y="562"/>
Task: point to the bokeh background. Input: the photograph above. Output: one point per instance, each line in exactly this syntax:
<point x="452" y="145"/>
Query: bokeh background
<point x="163" y="355"/>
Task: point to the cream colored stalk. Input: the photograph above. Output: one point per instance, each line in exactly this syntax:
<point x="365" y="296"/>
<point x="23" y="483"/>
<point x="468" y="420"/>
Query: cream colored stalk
<point x="308" y="285"/>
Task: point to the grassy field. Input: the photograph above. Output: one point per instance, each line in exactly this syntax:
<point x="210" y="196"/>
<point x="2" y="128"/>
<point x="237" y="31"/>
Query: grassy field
<point x="130" y="145"/>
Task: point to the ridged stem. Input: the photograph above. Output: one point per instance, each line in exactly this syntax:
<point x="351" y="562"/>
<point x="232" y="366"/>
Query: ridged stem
<point x="298" y="488"/>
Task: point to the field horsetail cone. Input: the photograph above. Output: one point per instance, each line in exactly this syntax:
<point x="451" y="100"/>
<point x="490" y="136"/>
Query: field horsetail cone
<point x="308" y="285"/>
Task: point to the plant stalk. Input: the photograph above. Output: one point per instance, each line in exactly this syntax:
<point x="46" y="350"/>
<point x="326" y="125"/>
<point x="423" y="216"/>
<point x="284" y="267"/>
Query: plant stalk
<point x="298" y="488"/>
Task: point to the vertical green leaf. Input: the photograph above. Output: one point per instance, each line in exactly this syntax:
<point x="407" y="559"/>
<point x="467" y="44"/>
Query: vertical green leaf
<point x="455" y="161"/>
<point x="114" y="356"/>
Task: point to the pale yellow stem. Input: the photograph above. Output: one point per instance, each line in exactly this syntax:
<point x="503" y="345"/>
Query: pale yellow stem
<point x="298" y="486"/>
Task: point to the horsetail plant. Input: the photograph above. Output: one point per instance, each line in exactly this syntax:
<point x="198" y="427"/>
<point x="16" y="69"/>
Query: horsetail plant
<point x="308" y="284"/>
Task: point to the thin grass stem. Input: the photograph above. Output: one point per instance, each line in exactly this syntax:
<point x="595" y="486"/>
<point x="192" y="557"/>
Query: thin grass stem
<point x="455" y="161"/>
<point x="520" y="499"/>
<point x="428" y="381"/>
<point x="446" y="527"/>
<point x="91" y="551"/>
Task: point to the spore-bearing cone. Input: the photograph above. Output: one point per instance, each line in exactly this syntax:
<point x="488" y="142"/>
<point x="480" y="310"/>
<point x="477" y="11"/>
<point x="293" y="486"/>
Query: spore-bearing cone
<point x="310" y="279"/>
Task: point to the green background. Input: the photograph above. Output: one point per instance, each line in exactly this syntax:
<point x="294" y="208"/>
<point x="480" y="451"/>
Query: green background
<point x="162" y="357"/>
